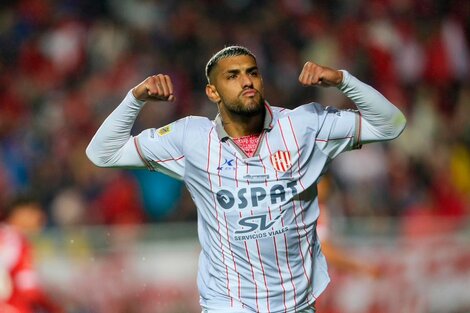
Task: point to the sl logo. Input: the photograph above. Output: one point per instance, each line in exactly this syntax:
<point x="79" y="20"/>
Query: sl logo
<point x="256" y="222"/>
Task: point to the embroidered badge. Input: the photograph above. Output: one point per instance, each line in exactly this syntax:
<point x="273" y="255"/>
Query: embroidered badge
<point x="165" y="130"/>
<point x="281" y="161"/>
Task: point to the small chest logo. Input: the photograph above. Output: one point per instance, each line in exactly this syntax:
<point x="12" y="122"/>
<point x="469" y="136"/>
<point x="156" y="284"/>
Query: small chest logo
<point x="227" y="165"/>
<point x="281" y="161"/>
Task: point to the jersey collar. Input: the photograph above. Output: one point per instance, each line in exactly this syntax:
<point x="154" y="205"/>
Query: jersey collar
<point x="268" y="123"/>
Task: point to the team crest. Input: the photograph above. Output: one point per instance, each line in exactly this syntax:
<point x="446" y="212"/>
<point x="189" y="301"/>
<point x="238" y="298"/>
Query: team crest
<point x="281" y="161"/>
<point x="165" y="130"/>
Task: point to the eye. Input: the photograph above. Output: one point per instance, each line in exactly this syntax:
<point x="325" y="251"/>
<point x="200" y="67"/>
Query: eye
<point x="232" y="76"/>
<point x="254" y="73"/>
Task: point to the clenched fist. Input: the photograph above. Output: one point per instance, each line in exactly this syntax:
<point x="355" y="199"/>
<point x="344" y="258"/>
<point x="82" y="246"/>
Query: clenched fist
<point x="316" y="75"/>
<point x="157" y="87"/>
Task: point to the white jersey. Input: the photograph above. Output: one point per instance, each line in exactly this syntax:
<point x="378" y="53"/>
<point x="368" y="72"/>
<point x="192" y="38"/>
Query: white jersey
<point x="256" y="215"/>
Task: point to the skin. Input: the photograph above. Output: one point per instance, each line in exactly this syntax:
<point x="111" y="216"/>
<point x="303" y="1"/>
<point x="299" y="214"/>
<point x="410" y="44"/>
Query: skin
<point x="236" y="86"/>
<point x="237" y="89"/>
<point x="27" y="218"/>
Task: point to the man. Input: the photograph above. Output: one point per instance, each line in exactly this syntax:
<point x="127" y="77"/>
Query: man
<point x="252" y="173"/>
<point x="20" y="290"/>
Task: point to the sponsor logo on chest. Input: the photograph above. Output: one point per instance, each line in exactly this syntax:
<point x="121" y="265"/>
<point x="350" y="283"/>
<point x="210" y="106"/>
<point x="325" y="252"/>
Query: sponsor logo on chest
<point x="259" y="225"/>
<point x="255" y="197"/>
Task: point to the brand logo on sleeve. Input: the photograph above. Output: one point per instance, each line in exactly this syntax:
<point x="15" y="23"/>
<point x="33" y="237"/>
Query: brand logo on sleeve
<point x="165" y="130"/>
<point x="333" y="110"/>
<point x="281" y="161"/>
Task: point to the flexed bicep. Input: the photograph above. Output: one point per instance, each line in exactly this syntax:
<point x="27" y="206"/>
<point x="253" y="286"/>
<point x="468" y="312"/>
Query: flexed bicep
<point x="113" y="145"/>
<point x="125" y="156"/>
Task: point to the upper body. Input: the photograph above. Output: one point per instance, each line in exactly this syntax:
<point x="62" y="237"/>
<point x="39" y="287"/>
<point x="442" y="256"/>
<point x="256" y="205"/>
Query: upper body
<point x="257" y="210"/>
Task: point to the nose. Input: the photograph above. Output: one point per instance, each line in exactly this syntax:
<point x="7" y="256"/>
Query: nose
<point x="246" y="81"/>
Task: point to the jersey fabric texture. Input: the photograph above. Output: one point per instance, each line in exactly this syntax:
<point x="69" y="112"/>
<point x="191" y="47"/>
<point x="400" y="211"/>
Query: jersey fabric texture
<point x="249" y="144"/>
<point x="261" y="209"/>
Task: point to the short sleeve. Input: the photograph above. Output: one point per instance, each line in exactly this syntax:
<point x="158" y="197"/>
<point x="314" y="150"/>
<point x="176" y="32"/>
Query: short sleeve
<point x="339" y="131"/>
<point x="162" y="149"/>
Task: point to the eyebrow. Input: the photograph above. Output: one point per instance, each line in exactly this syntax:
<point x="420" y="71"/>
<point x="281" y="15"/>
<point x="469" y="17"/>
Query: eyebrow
<point x="236" y="71"/>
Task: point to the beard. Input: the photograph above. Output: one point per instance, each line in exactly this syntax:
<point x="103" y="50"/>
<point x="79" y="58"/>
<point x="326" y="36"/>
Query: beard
<point x="246" y="107"/>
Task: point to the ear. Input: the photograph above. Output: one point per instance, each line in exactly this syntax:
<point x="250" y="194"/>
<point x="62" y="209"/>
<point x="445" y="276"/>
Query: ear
<point x="212" y="93"/>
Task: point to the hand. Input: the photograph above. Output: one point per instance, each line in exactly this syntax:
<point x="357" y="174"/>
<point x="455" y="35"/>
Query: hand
<point x="316" y="75"/>
<point x="157" y="87"/>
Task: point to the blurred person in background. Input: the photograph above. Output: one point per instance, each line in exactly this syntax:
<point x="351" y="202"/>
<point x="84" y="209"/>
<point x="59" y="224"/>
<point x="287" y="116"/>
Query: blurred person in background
<point x="341" y="262"/>
<point x="252" y="173"/>
<point x="336" y="256"/>
<point x="20" y="288"/>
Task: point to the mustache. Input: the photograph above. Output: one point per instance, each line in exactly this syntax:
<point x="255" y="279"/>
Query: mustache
<point x="249" y="88"/>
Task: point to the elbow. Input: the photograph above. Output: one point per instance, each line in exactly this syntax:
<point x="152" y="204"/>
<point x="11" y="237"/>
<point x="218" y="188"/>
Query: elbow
<point x="93" y="156"/>
<point x="398" y="126"/>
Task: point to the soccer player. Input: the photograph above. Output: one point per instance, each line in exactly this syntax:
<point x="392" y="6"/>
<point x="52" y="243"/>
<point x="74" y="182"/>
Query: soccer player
<point x="20" y="290"/>
<point x="252" y="173"/>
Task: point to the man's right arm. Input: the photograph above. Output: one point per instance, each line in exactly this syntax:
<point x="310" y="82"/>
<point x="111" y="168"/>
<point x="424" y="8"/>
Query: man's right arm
<point x="113" y="145"/>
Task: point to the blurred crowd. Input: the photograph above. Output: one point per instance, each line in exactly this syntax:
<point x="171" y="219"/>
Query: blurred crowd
<point x="64" y="65"/>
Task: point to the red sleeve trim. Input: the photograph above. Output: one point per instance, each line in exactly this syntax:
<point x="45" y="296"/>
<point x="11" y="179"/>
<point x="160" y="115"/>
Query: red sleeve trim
<point x="172" y="159"/>
<point x="330" y="139"/>
<point x="139" y="152"/>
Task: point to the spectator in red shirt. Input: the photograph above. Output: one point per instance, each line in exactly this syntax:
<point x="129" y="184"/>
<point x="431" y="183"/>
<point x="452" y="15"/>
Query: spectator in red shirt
<point x="20" y="291"/>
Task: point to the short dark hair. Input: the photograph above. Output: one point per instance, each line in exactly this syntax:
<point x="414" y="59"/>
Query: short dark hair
<point x="231" y="51"/>
<point x="18" y="202"/>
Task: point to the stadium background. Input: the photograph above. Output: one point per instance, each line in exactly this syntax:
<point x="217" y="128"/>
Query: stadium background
<point x="125" y="241"/>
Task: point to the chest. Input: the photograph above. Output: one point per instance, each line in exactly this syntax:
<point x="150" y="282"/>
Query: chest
<point x="280" y="155"/>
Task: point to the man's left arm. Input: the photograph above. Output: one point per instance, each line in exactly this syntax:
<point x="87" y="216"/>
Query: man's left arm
<point x="380" y="119"/>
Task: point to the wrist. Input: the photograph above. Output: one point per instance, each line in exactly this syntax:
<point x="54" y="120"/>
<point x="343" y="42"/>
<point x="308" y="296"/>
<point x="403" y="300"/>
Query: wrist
<point x="340" y="79"/>
<point x="134" y="99"/>
<point x="345" y="77"/>
<point x="135" y="94"/>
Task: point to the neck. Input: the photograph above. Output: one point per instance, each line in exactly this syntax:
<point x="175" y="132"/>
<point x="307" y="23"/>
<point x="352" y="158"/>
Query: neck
<point x="239" y="125"/>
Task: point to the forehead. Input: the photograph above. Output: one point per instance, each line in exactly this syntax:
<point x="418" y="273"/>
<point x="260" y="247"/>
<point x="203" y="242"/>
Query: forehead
<point x="239" y="62"/>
